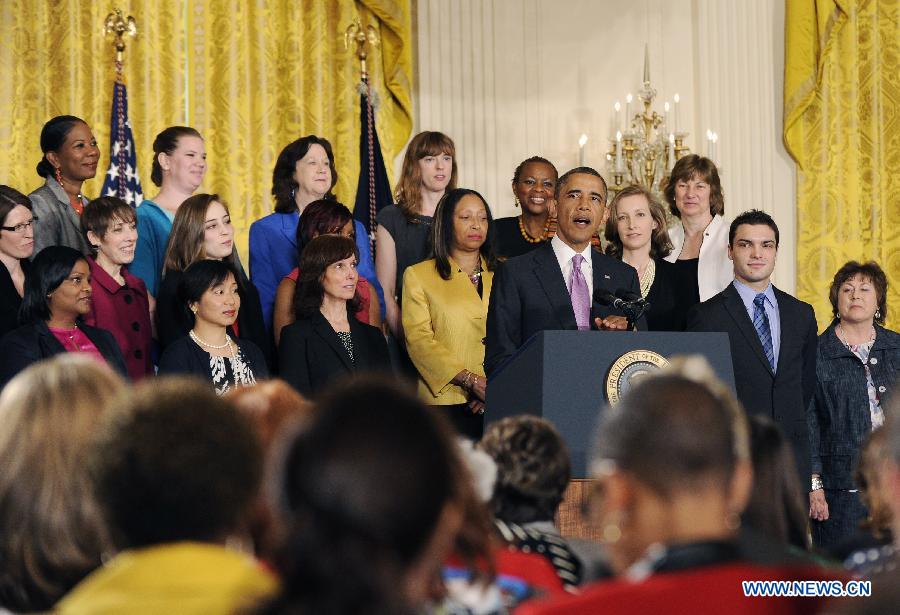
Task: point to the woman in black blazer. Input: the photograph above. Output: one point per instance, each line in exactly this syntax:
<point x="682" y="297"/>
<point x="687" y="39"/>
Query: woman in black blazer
<point x="202" y="230"/>
<point x="211" y="294"/>
<point x="16" y="247"/>
<point x="57" y="294"/>
<point x="326" y="342"/>
<point x="636" y="232"/>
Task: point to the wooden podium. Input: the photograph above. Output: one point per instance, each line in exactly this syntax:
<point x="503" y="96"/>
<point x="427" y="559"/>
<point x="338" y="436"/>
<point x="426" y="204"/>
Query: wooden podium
<point x="568" y="378"/>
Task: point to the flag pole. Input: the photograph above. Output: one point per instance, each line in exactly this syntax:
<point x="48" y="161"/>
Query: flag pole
<point x="122" y="179"/>
<point x="119" y="26"/>
<point x="365" y="38"/>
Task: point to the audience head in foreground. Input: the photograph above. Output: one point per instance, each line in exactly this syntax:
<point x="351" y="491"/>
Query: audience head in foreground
<point x="533" y="468"/>
<point x="673" y="467"/>
<point x="53" y="534"/>
<point x="174" y="474"/>
<point x="371" y="488"/>
<point x="776" y="508"/>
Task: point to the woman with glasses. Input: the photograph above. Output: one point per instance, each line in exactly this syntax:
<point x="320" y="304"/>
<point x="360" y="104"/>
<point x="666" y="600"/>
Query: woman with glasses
<point x="16" y="247"/>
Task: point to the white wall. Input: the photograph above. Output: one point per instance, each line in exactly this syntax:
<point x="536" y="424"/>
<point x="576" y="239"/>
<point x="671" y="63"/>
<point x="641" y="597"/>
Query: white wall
<point x="508" y="79"/>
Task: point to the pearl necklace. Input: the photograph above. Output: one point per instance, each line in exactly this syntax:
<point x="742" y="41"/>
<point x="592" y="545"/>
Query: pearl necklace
<point x="227" y="343"/>
<point x="843" y="338"/>
<point x="648" y="278"/>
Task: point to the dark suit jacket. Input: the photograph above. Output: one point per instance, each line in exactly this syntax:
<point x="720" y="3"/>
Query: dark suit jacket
<point x="311" y="355"/>
<point x="33" y="342"/>
<point x="784" y="395"/>
<point x="10" y="299"/>
<point x="183" y="356"/>
<point x="530" y="295"/>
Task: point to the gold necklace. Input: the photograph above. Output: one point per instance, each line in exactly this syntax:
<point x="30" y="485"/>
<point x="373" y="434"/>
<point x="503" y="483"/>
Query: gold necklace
<point x="525" y="234"/>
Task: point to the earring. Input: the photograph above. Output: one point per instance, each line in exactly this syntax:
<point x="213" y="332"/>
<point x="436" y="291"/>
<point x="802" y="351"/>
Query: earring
<point x="877" y="314"/>
<point x="58" y="176"/>
<point x="293" y="193"/>
<point x="518" y="204"/>
<point x="194" y="309"/>
<point x="733" y="521"/>
<point x="611" y="533"/>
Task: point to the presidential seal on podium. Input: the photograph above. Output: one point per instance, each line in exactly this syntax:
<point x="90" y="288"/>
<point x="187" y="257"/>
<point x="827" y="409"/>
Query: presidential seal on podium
<point x="628" y="370"/>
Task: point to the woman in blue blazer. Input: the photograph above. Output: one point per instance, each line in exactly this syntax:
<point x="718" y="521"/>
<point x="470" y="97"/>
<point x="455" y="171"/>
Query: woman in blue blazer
<point x="304" y="172"/>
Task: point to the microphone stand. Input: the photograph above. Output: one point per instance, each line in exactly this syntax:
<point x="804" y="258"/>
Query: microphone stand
<point x="633" y="312"/>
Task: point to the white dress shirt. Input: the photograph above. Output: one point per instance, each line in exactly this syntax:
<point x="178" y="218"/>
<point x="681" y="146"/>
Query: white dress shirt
<point x="564" y="256"/>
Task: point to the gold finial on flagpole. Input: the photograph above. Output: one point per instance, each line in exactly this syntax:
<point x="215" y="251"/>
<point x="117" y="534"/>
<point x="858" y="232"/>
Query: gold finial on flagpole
<point x="363" y="37"/>
<point x="119" y="26"/>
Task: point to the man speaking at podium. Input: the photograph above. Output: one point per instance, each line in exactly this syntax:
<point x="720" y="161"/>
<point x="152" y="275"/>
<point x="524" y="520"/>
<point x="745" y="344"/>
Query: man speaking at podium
<point x="551" y="288"/>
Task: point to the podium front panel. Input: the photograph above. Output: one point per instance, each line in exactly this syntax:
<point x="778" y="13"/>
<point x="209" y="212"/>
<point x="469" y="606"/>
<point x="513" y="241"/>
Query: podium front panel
<point x="562" y="376"/>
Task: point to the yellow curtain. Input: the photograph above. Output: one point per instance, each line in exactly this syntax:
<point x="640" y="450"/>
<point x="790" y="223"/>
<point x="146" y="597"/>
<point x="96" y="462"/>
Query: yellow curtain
<point x="842" y="126"/>
<point x="250" y="75"/>
<point x="57" y="61"/>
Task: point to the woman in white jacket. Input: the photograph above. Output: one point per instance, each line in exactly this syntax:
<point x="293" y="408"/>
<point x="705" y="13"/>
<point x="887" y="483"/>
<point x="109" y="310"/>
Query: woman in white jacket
<point x="700" y="242"/>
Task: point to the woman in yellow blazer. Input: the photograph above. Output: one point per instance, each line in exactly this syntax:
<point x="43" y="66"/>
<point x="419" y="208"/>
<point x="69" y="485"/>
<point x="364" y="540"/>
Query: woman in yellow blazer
<point x="445" y="303"/>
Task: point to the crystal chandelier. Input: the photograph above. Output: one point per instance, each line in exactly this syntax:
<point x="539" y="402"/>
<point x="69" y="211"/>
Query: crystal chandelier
<point x="648" y="148"/>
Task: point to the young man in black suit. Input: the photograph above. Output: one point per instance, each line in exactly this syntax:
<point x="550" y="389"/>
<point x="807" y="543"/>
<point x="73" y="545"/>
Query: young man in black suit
<point x="772" y="334"/>
<point x="544" y="290"/>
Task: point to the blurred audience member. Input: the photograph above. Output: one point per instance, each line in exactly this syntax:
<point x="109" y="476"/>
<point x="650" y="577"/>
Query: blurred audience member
<point x="673" y="472"/>
<point x="275" y="409"/>
<point x="872" y="544"/>
<point x="174" y="475"/>
<point x="776" y="509"/>
<point x="53" y="535"/>
<point x="57" y="297"/>
<point x="371" y="488"/>
<point x="533" y="471"/>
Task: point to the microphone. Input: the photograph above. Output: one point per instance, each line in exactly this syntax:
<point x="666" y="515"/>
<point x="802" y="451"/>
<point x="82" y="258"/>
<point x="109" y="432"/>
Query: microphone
<point x="604" y="297"/>
<point x="628" y="296"/>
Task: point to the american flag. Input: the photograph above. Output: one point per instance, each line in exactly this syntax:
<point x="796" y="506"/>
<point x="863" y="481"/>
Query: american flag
<point x="122" y="177"/>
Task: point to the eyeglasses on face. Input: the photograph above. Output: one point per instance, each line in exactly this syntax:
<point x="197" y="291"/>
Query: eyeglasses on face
<point x="20" y="228"/>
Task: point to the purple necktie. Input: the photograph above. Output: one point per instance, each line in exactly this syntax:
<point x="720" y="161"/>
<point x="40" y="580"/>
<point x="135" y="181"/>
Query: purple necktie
<point x="581" y="297"/>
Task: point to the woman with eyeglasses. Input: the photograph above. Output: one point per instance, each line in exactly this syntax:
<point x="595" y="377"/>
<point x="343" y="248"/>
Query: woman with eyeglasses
<point x="57" y="297"/>
<point x="16" y="247"/>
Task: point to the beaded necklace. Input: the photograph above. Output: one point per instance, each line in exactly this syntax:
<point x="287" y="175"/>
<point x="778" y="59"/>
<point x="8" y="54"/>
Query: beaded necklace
<point x="525" y="234"/>
<point x="648" y="278"/>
